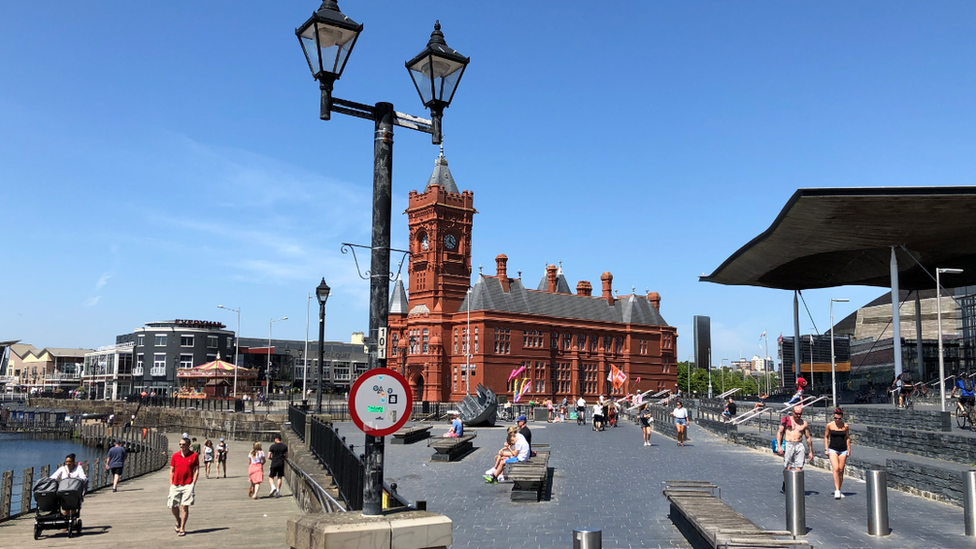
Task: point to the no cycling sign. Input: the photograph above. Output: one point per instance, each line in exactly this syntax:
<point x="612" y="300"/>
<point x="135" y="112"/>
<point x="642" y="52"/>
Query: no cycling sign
<point x="380" y="402"/>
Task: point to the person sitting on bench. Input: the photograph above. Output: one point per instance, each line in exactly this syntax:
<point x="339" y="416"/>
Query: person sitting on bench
<point x="516" y="450"/>
<point x="457" y="428"/>
<point x="762" y="402"/>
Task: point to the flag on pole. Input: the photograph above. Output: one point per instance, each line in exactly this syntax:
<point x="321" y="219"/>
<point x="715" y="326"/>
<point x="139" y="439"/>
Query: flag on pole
<point x="616" y="377"/>
<point x="762" y="335"/>
<point x="780" y="339"/>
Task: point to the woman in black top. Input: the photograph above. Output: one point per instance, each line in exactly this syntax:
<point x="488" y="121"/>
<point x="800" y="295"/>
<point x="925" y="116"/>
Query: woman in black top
<point x="837" y="445"/>
<point x="645" y="419"/>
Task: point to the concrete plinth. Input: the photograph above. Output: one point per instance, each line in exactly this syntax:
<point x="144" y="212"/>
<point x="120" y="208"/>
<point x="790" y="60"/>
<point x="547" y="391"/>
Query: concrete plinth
<point x="406" y="529"/>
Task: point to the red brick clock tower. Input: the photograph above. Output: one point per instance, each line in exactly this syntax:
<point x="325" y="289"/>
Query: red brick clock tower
<point x="440" y="242"/>
<point x="439" y="274"/>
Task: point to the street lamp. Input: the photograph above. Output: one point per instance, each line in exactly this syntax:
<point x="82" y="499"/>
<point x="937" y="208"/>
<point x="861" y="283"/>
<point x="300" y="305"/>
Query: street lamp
<point x="467" y="349"/>
<point x="237" y="342"/>
<point x="938" y="302"/>
<point x="689" y="370"/>
<point x="722" y="371"/>
<point x="833" y="357"/>
<point x="267" y="373"/>
<point x="322" y="293"/>
<point x="327" y="40"/>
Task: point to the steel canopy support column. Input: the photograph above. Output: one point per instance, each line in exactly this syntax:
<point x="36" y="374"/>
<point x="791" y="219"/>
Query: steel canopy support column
<point x="895" y="316"/>
<point x="796" y="334"/>
<point x="919" y="362"/>
<point x="379" y="288"/>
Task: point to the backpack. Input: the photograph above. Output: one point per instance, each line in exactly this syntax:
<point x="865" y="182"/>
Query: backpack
<point x="906" y="377"/>
<point x="967" y="384"/>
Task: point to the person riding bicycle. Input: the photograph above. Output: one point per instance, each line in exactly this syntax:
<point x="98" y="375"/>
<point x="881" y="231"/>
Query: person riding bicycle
<point x="967" y="395"/>
<point x="581" y="411"/>
<point x="903" y="384"/>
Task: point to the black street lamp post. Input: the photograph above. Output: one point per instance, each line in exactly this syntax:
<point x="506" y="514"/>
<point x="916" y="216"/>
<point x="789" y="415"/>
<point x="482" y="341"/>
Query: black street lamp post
<point x="327" y="39"/>
<point x="322" y="293"/>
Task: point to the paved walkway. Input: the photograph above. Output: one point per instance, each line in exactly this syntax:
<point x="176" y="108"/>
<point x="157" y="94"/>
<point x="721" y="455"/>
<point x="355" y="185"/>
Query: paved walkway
<point x="136" y="515"/>
<point x="609" y="480"/>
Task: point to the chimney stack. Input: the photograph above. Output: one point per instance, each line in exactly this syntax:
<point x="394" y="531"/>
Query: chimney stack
<point x="584" y="288"/>
<point x="501" y="270"/>
<point x="551" y="274"/>
<point x="655" y="299"/>
<point x="607" y="280"/>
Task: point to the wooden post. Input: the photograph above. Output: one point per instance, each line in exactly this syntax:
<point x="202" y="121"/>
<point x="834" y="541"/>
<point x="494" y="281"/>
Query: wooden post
<point x="45" y="471"/>
<point x="91" y="471"/>
<point x="6" y="492"/>
<point x="26" y="490"/>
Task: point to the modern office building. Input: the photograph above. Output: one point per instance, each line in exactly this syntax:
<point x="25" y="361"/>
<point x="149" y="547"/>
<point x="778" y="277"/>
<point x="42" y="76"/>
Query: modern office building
<point x="161" y="348"/>
<point x="107" y="373"/>
<point x="702" y="329"/>
<point x="344" y="362"/>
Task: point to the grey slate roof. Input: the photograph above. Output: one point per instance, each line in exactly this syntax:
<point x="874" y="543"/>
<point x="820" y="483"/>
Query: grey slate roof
<point x="488" y="295"/>
<point x="442" y="175"/>
<point x="398" y="302"/>
<point x="561" y="284"/>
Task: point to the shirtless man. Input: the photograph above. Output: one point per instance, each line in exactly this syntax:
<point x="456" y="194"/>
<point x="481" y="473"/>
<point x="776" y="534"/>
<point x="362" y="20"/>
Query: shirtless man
<point x="794" y="428"/>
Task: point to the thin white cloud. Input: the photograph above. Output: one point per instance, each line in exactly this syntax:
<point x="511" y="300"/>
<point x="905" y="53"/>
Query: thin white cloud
<point x="92" y="301"/>
<point x="102" y="281"/>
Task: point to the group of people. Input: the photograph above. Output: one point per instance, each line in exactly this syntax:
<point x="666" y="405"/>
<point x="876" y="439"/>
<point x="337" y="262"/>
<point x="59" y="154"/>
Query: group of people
<point x="184" y="470"/>
<point x="795" y="443"/>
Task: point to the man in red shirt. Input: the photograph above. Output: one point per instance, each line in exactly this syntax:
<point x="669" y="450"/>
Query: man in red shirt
<point x="184" y="468"/>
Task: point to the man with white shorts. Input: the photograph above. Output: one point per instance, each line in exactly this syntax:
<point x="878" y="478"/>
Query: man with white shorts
<point x="184" y="468"/>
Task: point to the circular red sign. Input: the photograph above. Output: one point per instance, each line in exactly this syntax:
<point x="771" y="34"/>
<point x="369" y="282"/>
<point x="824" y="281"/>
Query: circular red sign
<point x="380" y="402"/>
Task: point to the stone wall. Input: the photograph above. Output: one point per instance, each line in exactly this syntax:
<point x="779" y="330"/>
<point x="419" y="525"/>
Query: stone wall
<point x="940" y="483"/>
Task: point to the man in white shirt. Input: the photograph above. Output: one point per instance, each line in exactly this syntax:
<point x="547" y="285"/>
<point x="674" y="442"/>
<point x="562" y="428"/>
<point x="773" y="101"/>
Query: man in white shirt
<point x="580" y="411"/>
<point x="521" y="454"/>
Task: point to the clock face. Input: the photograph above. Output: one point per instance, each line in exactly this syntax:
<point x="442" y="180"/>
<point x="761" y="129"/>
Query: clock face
<point x="450" y="242"/>
<point x="425" y="241"/>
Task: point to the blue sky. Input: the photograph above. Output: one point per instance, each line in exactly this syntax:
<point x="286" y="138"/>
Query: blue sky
<point x="157" y="160"/>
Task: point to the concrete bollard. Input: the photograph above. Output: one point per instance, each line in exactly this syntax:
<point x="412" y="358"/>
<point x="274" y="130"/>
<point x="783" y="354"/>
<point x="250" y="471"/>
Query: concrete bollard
<point x="587" y="538"/>
<point x="877" y="486"/>
<point x="796" y="509"/>
<point x="969" y="502"/>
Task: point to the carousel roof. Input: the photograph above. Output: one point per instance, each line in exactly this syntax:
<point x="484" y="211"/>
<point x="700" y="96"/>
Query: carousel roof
<point x="217" y="368"/>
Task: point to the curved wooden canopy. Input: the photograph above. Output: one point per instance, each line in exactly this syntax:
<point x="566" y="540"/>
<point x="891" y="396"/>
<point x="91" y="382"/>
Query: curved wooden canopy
<point x="835" y="237"/>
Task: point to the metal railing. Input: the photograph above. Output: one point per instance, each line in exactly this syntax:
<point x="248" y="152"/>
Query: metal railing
<point x="297" y="418"/>
<point x="147" y="453"/>
<point x="345" y="466"/>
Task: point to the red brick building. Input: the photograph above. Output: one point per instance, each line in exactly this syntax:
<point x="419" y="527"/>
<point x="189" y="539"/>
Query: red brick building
<point x="566" y="341"/>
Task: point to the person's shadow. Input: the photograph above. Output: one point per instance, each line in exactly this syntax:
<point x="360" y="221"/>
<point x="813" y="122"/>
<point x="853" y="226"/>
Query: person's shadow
<point x="206" y="530"/>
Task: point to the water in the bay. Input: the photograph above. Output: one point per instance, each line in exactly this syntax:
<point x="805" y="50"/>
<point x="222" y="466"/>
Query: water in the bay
<point x="20" y="451"/>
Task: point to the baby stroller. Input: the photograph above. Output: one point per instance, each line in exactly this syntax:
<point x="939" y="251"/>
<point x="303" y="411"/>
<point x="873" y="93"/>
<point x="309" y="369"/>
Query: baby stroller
<point x="53" y="496"/>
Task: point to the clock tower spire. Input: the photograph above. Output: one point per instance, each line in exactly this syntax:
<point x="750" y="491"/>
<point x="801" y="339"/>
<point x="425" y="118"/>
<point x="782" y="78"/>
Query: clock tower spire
<point x="440" y="220"/>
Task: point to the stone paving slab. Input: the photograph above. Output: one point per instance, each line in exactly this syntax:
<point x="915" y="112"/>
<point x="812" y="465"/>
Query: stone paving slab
<point x="137" y="516"/>
<point x="609" y="480"/>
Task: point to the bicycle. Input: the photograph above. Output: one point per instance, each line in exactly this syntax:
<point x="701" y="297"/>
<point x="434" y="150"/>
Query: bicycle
<point x="964" y="413"/>
<point x="580" y="416"/>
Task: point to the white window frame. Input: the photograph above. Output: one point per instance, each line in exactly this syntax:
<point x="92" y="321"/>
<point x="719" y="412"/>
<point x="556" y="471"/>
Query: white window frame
<point x="215" y="340"/>
<point x="185" y="364"/>
<point x="157" y="338"/>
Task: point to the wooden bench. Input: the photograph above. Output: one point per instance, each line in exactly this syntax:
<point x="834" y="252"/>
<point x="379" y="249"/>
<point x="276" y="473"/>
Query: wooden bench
<point x="452" y="448"/>
<point x="411" y="434"/>
<point x="706" y="520"/>
<point x="530" y="477"/>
